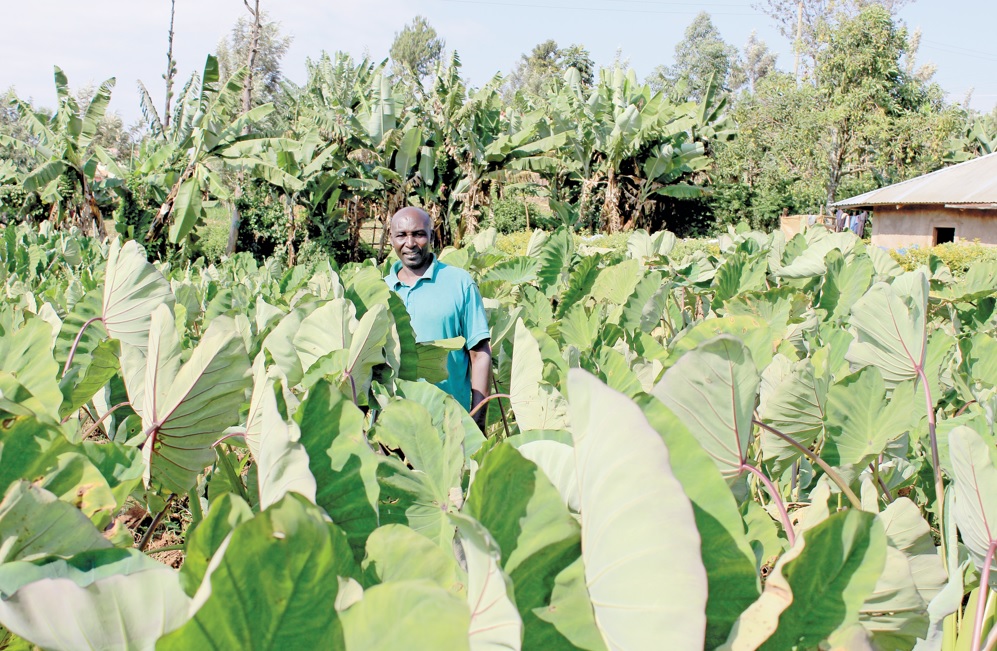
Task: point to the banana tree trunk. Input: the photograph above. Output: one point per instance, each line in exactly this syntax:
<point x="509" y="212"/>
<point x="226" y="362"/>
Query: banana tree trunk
<point x="611" y="205"/>
<point x="291" y="229"/>
<point x="233" y="229"/>
<point x="156" y="228"/>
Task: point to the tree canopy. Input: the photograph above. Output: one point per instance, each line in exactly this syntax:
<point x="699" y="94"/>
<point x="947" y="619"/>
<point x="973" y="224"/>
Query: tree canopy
<point x="417" y="48"/>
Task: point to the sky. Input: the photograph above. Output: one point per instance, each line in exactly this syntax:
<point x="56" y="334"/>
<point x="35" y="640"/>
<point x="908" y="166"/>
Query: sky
<point x="126" y="39"/>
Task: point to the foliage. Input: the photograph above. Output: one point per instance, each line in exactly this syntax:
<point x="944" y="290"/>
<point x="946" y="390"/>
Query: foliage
<point x="701" y="58"/>
<point x="684" y="419"/>
<point x="860" y="121"/>
<point x="233" y="53"/>
<point x="959" y="257"/>
<point x="546" y="63"/>
<point x="417" y="49"/>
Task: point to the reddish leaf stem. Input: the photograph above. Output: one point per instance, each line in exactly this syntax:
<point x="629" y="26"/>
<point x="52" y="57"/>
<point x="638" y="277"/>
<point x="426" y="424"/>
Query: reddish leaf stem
<point x="932" y="436"/>
<point x="90" y="430"/>
<point x="777" y="498"/>
<point x="981" y="599"/>
<point x="835" y="477"/>
<point x="155" y="524"/>
<point x="494" y="396"/>
<point x="505" y="424"/>
<point x="76" y="343"/>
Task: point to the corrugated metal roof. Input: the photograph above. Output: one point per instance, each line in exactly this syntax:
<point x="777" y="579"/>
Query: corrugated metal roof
<point x="971" y="182"/>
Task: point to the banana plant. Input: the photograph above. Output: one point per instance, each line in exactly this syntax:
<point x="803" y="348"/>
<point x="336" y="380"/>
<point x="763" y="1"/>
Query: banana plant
<point x="66" y="156"/>
<point x="215" y="137"/>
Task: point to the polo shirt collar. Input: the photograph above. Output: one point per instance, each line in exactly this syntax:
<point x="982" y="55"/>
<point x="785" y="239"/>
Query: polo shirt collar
<point x="429" y="276"/>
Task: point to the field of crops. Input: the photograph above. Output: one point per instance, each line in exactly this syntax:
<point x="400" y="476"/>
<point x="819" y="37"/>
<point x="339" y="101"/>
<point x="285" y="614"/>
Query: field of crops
<point x="786" y="444"/>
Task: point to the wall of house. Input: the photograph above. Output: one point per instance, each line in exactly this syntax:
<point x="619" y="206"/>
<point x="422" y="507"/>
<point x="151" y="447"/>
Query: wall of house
<point x="908" y="226"/>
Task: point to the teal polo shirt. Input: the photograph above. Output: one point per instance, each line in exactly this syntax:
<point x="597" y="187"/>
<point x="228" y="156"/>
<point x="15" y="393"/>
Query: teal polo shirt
<point x="446" y="303"/>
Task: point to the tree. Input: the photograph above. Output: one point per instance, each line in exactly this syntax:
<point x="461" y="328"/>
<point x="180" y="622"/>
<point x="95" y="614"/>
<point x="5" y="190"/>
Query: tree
<point x="234" y="52"/>
<point x="417" y="48"/>
<point x="545" y="62"/>
<point x="860" y="122"/>
<point x="806" y="16"/>
<point x="700" y="56"/>
<point x="757" y="62"/>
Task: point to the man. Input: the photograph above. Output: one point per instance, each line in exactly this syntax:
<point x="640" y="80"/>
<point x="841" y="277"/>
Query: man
<point x="443" y="302"/>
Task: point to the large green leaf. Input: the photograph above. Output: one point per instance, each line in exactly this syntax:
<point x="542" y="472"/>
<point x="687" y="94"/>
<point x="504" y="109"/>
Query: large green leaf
<point x="30" y="371"/>
<point x="554" y="260"/>
<point x="328" y="328"/>
<point x="104" y="598"/>
<point x="979" y="282"/>
<point x="341" y="460"/>
<point x="367" y="349"/>
<point x="890" y="324"/>
<point x="580" y="327"/>
<point x="640" y="245"/>
<point x="187" y="408"/>
<point x="896" y="613"/>
<point x="424" y="617"/>
<point x="843" y="284"/>
<point x="537" y="404"/>
<point x="975" y="493"/>
<point x="727" y="556"/>
<point x="616" y="283"/>
<point x="860" y="421"/>
<point x="446" y="413"/>
<point x="839" y="566"/>
<point x="34" y="523"/>
<point x="580" y="283"/>
<point x="406" y="361"/>
<point x="759" y="336"/>
<point x="537" y="536"/>
<point x="640" y="544"/>
<point x="226" y="513"/>
<point x="406" y="424"/>
<point x="712" y="390"/>
<point x="420" y="496"/>
<point x="737" y="274"/>
<point x="644" y="308"/>
<point x="187" y="209"/>
<point x="79" y="388"/>
<point x="514" y="271"/>
<point x="397" y="553"/>
<point x="817" y="587"/>
<point x="495" y="622"/>
<point x="282" y="463"/>
<point x="29" y="449"/>
<point x="272" y="586"/>
<point x="793" y="401"/>
<point x="432" y="356"/>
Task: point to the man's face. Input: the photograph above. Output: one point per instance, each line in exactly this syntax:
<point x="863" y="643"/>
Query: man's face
<point x="411" y="239"/>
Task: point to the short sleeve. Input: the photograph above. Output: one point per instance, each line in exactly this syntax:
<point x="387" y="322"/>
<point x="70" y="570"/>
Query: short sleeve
<point x="474" y="321"/>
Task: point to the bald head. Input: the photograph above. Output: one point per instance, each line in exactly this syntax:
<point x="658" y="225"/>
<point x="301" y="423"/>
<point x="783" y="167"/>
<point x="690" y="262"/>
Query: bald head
<point x="412" y="238"/>
<point x="410" y="214"/>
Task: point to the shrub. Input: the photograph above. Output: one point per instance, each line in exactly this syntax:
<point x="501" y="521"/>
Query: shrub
<point x="957" y="256"/>
<point x="509" y="215"/>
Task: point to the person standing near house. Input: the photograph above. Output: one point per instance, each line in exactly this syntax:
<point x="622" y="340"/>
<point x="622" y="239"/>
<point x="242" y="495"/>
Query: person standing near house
<point x="863" y="216"/>
<point x="443" y="302"/>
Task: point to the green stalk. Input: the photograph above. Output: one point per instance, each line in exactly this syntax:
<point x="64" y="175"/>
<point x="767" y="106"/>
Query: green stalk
<point x="230" y="471"/>
<point x="835" y="477"/>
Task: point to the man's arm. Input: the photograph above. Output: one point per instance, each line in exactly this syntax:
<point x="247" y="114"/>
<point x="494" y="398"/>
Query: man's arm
<point x="481" y="374"/>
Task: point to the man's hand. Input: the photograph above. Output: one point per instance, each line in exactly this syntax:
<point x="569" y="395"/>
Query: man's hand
<point x="481" y="371"/>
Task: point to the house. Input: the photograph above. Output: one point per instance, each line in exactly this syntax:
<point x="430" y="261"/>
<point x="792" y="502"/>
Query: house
<point x="956" y="203"/>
